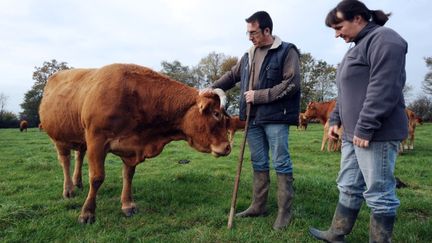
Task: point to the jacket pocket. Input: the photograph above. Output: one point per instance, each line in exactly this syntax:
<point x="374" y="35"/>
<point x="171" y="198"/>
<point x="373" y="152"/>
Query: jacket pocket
<point x="273" y="72"/>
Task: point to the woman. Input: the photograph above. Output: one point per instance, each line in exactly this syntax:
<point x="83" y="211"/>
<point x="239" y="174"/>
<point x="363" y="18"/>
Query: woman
<point x="370" y="106"/>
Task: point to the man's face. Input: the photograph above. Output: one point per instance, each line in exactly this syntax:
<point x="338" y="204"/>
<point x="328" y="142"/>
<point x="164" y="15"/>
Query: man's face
<point x="255" y="34"/>
<point x="348" y="30"/>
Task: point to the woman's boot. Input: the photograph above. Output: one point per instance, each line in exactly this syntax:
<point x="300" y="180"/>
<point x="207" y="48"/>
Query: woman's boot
<point x="381" y="228"/>
<point x="342" y="224"/>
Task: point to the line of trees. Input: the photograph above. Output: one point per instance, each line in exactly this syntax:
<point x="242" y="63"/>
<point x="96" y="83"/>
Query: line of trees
<point x="427" y="82"/>
<point x="33" y="97"/>
<point x="317" y="80"/>
<point x="208" y="70"/>
<point x="7" y="119"/>
<point x="317" y="77"/>
<point x="422" y="105"/>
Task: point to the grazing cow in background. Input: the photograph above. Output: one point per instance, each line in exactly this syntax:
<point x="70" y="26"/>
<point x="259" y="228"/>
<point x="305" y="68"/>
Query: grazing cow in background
<point x="322" y="111"/>
<point x="23" y="125"/>
<point x="132" y="112"/>
<point x="40" y="127"/>
<point x="235" y="124"/>
<point x="413" y="120"/>
<point x="419" y="120"/>
<point x="303" y="122"/>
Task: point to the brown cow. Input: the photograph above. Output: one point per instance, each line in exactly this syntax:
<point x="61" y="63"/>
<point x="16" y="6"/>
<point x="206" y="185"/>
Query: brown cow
<point x="322" y="111"/>
<point x="419" y="120"/>
<point x="235" y="124"/>
<point x="23" y="126"/>
<point x="130" y="111"/>
<point x="413" y="120"/>
<point x="303" y="122"/>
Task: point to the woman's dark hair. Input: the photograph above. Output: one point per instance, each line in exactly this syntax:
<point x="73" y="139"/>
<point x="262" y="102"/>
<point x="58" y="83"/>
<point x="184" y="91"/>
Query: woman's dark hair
<point x="351" y="8"/>
<point x="263" y="19"/>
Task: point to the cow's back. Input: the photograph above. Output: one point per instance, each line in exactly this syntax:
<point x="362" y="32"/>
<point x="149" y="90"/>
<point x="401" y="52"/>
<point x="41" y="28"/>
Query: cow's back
<point x="118" y="98"/>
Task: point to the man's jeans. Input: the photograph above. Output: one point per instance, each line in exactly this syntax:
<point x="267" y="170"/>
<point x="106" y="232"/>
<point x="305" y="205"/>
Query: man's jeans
<point x="263" y="137"/>
<point x="368" y="173"/>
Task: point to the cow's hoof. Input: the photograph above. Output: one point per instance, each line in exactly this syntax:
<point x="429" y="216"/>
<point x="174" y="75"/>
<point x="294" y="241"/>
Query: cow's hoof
<point x="79" y="184"/>
<point x="67" y="194"/>
<point x="131" y="210"/>
<point x="87" y="218"/>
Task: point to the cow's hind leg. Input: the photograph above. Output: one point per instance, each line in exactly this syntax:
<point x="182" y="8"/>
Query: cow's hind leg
<point x="96" y="158"/>
<point x="128" y="206"/>
<point x="77" y="176"/>
<point x="63" y="154"/>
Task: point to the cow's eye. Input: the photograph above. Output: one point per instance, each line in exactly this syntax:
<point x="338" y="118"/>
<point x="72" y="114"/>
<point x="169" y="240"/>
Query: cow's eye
<point x="217" y="115"/>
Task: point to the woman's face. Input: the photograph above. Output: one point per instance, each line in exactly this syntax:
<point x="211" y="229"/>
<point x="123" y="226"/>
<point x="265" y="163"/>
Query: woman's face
<point x="348" y="30"/>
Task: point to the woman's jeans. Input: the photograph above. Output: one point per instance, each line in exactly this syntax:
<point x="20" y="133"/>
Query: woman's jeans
<point x="368" y="173"/>
<point x="274" y="137"/>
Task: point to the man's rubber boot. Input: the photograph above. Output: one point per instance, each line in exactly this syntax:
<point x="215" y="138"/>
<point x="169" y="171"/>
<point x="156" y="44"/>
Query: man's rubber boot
<point x="261" y="184"/>
<point x="285" y="196"/>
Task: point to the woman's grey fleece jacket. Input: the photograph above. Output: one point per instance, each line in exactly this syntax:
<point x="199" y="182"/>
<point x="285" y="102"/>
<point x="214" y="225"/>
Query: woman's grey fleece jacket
<point x="370" y="79"/>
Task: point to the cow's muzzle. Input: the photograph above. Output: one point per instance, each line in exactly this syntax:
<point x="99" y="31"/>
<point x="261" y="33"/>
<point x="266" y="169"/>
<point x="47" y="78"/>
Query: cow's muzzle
<point x="222" y="150"/>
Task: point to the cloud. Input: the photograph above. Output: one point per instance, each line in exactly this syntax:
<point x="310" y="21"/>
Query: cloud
<point x="96" y="33"/>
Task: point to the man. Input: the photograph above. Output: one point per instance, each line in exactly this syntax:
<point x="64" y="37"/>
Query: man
<point x="371" y="108"/>
<point x="269" y="76"/>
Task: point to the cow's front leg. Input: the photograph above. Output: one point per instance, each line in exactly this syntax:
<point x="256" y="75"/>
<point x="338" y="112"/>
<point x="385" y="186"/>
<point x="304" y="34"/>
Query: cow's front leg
<point x="411" y="147"/>
<point x="128" y="206"/>
<point x="325" y="140"/>
<point x="96" y="158"/>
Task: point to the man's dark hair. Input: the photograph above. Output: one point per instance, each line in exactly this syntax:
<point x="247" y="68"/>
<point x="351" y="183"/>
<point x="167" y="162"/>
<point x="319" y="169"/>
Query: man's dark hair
<point x="263" y="19"/>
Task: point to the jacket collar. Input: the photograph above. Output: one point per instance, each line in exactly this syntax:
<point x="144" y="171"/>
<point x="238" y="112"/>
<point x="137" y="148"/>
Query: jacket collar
<point x="366" y="30"/>
<point x="276" y="43"/>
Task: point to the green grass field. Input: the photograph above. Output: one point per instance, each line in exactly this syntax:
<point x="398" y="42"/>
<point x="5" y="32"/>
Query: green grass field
<point x="190" y="202"/>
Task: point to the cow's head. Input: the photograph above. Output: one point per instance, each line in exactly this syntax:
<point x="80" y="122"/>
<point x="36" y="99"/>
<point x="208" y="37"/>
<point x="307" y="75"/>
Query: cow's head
<point x="207" y="125"/>
<point x="419" y="120"/>
<point x="303" y="119"/>
<point x="311" y="110"/>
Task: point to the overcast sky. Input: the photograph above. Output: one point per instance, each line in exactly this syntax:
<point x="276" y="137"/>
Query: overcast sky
<point x="87" y="33"/>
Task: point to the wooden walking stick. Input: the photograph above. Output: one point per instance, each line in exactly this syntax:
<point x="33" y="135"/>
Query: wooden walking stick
<point x="239" y="168"/>
<point x="242" y="149"/>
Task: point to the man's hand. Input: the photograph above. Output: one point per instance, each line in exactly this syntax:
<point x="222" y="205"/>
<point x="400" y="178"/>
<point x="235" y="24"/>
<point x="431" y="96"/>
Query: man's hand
<point x="249" y="96"/>
<point x="205" y="91"/>
<point x="362" y="143"/>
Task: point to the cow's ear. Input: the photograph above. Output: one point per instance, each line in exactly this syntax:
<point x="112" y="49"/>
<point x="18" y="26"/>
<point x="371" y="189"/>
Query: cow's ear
<point x="203" y="105"/>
